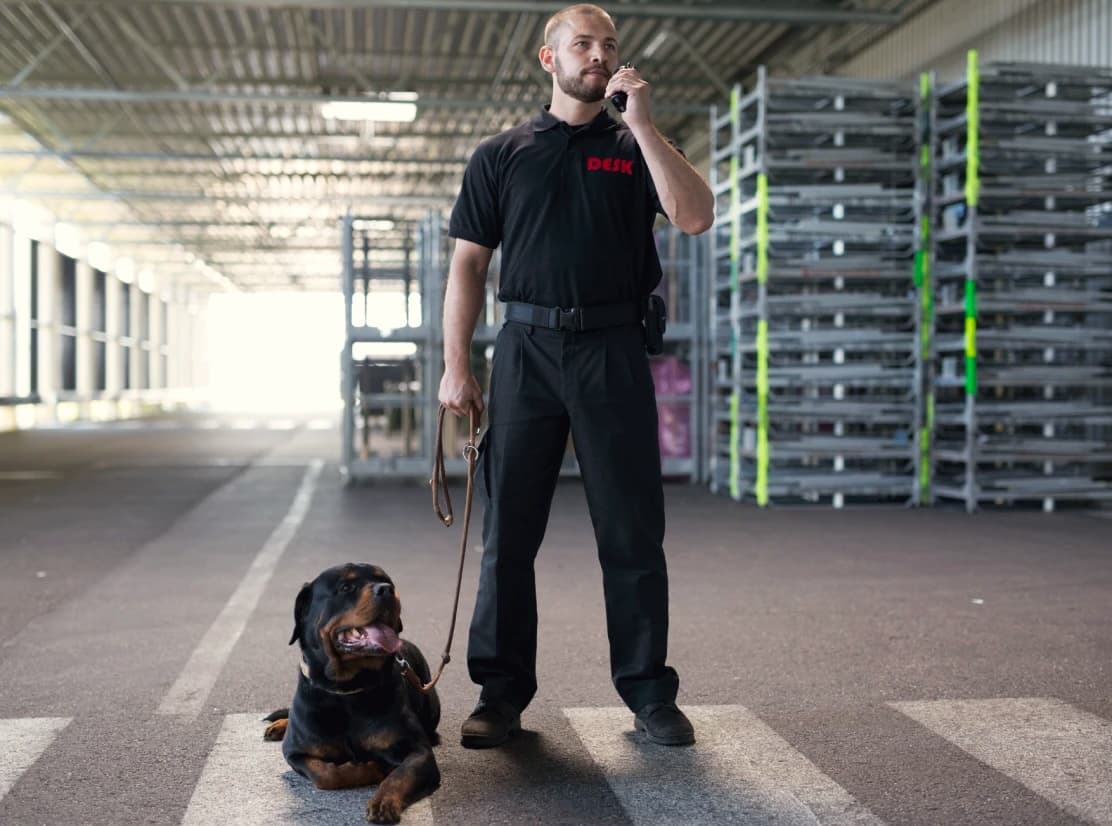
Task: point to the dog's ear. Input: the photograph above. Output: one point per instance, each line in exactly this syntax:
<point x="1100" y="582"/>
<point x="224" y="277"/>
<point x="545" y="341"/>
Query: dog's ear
<point x="300" y="608"/>
<point x="397" y="613"/>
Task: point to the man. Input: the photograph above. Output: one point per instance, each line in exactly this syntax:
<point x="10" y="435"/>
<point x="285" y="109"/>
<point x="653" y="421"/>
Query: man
<point x="571" y="196"/>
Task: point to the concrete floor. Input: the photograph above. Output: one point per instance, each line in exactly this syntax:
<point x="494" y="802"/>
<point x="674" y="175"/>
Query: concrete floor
<point x="839" y="664"/>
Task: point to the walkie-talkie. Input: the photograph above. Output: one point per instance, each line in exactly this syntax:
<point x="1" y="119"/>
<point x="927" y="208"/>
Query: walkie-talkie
<point x="619" y="99"/>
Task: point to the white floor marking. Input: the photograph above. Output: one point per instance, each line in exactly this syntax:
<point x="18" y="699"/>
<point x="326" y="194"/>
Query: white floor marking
<point x="22" y="742"/>
<point x="28" y="475"/>
<point x="739" y="771"/>
<point x="246" y="782"/>
<point x="187" y="695"/>
<point x="1058" y="751"/>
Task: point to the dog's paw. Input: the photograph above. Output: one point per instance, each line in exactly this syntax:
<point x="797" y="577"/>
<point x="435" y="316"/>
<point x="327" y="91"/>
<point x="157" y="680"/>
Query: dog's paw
<point x="384" y="809"/>
<point x="276" y="730"/>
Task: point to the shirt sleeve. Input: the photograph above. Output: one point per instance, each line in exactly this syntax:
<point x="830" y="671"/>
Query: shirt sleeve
<point x="477" y="216"/>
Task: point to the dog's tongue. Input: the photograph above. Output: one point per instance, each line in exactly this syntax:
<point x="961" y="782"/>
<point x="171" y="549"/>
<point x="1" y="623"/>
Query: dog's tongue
<point x="383" y="636"/>
<point x="374" y="636"/>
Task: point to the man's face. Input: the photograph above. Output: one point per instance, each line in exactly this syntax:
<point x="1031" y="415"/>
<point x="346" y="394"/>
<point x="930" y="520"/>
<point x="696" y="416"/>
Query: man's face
<point x="585" y="57"/>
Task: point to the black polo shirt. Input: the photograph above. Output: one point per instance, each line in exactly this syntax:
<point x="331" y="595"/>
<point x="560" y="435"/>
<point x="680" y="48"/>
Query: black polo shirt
<point x="573" y="208"/>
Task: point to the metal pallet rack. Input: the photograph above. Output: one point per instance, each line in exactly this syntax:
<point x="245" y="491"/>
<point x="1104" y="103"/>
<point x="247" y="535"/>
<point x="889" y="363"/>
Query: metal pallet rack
<point x="922" y="492"/>
<point x="678" y="372"/>
<point x="407" y="360"/>
<point x="1022" y="249"/>
<point x="813" y="305"/>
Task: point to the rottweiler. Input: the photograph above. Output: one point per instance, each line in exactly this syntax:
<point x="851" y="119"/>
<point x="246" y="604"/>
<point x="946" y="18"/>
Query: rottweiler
<point x="355" y="719"/>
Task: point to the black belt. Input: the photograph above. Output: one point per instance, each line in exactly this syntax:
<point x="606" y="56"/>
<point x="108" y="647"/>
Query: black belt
<point x="576" y="318"/>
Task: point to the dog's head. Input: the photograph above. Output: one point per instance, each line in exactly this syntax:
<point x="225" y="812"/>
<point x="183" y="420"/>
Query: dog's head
<point x="347" y="620"/>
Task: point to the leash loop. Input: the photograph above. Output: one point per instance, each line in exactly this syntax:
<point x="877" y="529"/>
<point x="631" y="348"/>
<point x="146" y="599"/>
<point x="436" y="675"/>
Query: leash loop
<point x="439" y="484"/>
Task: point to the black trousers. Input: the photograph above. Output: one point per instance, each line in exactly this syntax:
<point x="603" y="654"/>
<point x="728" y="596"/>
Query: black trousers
<point x="598" y="385"/>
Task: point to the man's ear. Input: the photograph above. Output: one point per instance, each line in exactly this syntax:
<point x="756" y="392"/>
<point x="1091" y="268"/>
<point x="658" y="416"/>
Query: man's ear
<point x="545" y="55"/>
<point x="300" y="609"/>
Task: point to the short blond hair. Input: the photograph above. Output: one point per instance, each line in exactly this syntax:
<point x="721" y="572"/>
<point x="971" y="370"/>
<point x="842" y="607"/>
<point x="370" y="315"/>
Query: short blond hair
<point x="563" y="17"/>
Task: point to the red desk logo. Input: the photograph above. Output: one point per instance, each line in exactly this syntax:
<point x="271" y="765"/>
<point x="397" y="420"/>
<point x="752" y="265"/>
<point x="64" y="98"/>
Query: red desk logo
<point x="610" y="165"/>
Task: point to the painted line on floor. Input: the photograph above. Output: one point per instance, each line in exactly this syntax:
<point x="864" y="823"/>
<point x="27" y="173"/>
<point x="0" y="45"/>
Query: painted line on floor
<point x="22" y="742"/>
<point x="739" y="771"/>
<point x="1059" y="752"/>
<point x="188" y="693"/>
<point x="247" y="782"/>
<point x="28" y="475"/>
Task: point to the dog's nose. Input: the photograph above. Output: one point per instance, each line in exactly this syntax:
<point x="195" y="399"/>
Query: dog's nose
<point x="383" y="590"/>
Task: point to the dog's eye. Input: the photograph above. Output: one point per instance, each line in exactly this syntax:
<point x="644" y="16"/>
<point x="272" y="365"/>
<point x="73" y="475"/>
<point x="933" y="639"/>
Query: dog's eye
<point x="347" y="587"/>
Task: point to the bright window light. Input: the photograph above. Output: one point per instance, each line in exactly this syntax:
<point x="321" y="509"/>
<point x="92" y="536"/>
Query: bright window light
<point x="67" y="239"/>
<point x="33" y="220"/>
<point x="399" y="107"/>
<point x="385" y="310"/>
<point x="256" y="366"/>
<point x="99" y="255"/>
<point x="125" y="270"/>
<point x="147" y="281"/>
<point x="379" y="224"/>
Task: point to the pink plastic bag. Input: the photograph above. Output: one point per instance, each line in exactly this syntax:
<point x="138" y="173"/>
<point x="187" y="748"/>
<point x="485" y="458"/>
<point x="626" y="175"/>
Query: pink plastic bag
<point x="672" y="377"/>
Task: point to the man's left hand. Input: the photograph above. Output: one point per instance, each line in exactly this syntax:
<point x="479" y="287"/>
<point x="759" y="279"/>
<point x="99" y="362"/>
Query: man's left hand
<point x="638" y="111"/>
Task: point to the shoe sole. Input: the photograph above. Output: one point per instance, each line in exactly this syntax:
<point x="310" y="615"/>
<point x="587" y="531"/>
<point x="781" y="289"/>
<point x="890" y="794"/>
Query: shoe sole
<point x="679" y="740"/>
<point x="478" y="741"/>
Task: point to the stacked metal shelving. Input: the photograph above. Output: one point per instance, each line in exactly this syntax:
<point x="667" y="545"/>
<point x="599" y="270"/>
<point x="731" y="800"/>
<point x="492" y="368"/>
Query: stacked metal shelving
<point x="813" y="303"/>
<point x="678" y="373"/>
<point x="1022" y="249"/>
<point x="406" y="359"/>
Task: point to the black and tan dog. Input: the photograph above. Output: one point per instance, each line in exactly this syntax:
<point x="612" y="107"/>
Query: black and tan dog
<point x="355" y="720"/>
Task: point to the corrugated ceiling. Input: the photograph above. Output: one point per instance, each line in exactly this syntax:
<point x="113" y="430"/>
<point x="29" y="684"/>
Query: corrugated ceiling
<point x="187" y="132"/>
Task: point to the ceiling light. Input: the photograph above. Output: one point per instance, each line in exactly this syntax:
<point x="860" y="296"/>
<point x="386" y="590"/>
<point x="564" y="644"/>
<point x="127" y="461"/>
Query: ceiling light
<point x="397" y="107"/>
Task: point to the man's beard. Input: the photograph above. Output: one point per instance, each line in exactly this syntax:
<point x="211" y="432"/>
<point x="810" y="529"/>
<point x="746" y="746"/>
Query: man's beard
<point x="576" y="86"/>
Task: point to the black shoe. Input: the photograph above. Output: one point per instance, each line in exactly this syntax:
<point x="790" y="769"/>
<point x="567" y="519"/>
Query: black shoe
<point x="665" y="725"/>
<point x="490" y="724"/>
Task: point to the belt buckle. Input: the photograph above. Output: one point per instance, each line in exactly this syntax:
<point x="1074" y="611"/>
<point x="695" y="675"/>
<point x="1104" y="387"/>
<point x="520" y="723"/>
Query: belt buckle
<point x="567" y="319"/>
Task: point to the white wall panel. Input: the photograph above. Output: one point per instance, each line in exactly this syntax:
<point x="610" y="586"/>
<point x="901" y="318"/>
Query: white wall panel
<point x="1050" y="31"/>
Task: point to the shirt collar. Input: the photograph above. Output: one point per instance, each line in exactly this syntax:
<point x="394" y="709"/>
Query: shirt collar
<point x="545" y="120"/>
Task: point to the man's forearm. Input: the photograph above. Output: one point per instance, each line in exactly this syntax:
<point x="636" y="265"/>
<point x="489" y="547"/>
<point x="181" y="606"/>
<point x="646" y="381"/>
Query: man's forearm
<point x="463" y="300"/>
<point x="685" y="196"/>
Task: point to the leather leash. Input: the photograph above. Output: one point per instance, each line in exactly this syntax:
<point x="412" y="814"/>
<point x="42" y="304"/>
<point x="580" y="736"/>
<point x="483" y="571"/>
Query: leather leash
<point x="439" y="483"/>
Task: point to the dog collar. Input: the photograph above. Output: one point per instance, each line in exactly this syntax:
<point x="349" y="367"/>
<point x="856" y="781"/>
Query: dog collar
<point x="305" y="673"/>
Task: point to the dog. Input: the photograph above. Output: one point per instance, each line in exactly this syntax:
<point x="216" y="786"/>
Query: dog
<point x="355" y="719"/>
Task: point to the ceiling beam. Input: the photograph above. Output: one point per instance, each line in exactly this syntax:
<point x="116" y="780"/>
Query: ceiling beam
<point x="134" y="195"/>
<point x="102" y="95"/>
<point x="735" y="12"/>
<point x="440" y="164"/>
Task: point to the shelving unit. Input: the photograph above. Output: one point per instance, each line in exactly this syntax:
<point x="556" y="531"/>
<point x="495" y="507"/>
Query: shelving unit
<point x="1023" y="285"/>
<point x="678" y="372"/>
<point x="405" y="361"/>
<point x="813" y="303"/>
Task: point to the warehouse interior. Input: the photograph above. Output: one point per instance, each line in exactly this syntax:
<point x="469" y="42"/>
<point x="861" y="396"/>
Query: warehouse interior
<point x="885" y="403"/>
<point x="158" y="198"/>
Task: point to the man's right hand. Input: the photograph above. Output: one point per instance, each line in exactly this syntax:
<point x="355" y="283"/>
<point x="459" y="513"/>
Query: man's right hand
<point x="460" y="393"/>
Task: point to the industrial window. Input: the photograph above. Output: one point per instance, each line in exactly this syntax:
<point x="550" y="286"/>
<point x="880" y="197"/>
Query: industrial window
<point x="34" y="317"/>
<point x="143" y="341"/>
<point x="100" y="330"/>
<point x="125" y="336"/>
<point x="67" y="317"/>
